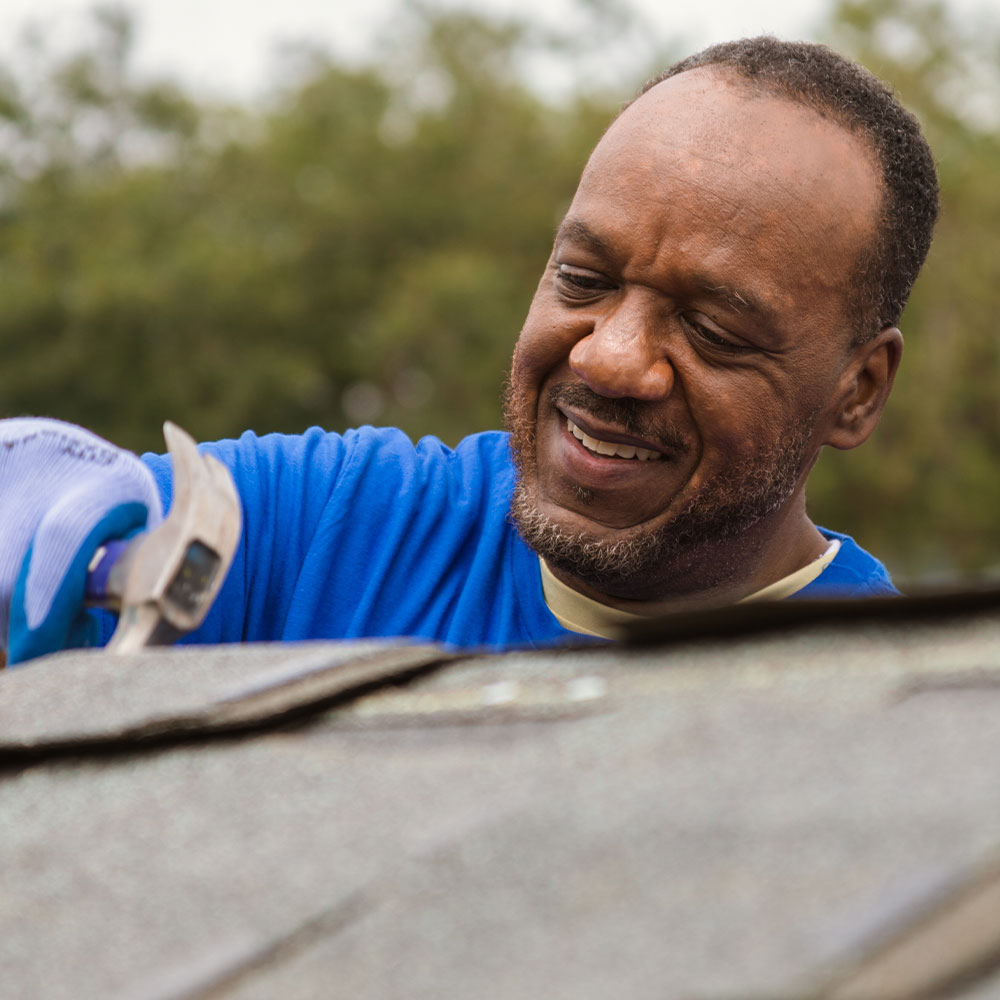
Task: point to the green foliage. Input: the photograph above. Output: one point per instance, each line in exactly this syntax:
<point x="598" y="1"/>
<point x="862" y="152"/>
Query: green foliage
<point x="362" y="248"/>
<point x="925" y="491"/>
<point x="364" y="244"/>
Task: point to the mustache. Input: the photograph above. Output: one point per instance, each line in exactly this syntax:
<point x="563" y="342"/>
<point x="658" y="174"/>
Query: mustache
<point x="631" y="415"/>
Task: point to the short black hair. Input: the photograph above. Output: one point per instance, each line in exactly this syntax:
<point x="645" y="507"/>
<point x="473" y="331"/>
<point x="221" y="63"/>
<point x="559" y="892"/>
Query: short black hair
<point x="819" y="78"/>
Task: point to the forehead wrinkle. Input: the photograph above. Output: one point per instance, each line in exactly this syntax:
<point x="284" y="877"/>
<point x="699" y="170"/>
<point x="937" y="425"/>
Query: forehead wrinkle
<point x="712" y="150"/>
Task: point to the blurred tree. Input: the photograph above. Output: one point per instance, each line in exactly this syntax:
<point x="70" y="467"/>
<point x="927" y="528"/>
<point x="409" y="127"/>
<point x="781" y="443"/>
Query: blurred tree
<point x="926" y="489"/>
<point x="362" y="248"/>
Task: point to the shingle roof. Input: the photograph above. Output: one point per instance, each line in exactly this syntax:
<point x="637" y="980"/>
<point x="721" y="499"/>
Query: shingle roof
<point x="771" y="815"/>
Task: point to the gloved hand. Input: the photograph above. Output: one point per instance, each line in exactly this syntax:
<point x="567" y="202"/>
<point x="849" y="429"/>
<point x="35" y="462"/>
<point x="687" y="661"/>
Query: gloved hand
<point x="64" y="492"/>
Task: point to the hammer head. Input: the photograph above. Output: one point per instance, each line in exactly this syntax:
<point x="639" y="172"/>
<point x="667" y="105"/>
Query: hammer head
<point x="167" y="578"/>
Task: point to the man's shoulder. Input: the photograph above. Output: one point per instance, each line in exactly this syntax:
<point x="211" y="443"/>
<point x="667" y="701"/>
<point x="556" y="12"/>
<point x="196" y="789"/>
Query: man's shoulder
<point x="485" y="448"/>
<point x="478" y="462"/>
<point x="375" y="469"/>
<point x="852" y="573"/>
<point x="358" y="444"/>
<point x="367" y="468"/>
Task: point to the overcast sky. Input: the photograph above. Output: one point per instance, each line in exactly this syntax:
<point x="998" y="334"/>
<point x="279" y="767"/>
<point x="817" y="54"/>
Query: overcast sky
<point x="225" y="46"/>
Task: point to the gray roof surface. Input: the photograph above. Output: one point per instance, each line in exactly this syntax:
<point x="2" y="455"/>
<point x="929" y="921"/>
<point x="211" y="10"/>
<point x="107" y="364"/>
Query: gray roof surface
<point x="808" y="813"/>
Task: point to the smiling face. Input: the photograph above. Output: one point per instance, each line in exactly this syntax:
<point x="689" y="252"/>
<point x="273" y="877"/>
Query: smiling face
<point x="687" y="350"/>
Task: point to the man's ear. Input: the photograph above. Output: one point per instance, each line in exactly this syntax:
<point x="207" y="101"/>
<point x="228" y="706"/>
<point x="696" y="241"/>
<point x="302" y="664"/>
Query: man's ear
<point x="864" y="388"/>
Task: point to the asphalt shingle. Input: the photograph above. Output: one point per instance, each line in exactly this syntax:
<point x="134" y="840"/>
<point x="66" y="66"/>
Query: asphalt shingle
<point x="732" y="818"/>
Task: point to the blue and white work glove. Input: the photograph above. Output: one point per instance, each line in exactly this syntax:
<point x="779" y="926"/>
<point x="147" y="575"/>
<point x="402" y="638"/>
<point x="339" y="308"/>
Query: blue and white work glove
<point x="64" y="492"/>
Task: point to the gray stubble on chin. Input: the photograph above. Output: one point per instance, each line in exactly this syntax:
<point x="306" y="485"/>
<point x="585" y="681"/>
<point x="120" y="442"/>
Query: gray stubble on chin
<point x="694" y="542"/>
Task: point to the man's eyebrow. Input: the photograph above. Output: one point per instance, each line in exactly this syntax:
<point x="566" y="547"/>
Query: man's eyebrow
<point x="579" y="232"/>
<point x="735" y="299"/>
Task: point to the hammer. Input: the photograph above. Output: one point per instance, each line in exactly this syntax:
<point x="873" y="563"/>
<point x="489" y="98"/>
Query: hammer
<point x="162" y="582"/>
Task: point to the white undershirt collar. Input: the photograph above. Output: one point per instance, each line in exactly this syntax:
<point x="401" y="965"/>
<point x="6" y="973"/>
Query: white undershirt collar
<point x="583" y="614"/>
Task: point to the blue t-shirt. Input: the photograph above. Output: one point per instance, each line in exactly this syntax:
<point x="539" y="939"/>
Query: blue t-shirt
<point x="366" y="535"/>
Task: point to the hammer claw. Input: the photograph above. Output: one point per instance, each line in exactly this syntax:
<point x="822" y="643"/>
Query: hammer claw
<point x="168" y="577"/>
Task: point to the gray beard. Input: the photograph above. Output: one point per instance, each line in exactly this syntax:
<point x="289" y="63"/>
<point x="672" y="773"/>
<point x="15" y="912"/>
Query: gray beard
<point x="693" y="550"/>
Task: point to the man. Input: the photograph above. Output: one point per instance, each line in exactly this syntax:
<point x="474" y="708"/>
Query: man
<point x="721" y="302"/>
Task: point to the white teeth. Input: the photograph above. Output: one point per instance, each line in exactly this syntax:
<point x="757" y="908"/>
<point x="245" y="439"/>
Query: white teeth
<point x="609" y="447"/>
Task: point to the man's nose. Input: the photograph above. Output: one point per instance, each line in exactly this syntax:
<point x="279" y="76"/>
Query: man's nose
<point x="622" y="356"/>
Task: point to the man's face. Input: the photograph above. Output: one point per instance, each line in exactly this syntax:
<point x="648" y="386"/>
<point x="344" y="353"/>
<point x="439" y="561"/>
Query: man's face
<point x="678" y="368"/>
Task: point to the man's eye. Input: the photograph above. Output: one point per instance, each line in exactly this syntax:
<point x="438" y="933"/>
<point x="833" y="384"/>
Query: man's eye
<point x="713" y="338"/>
<point x="578" y="283"/>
